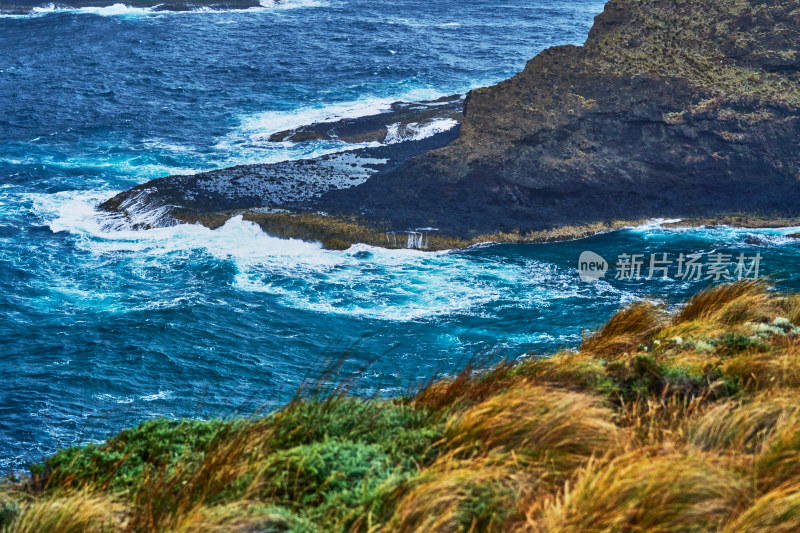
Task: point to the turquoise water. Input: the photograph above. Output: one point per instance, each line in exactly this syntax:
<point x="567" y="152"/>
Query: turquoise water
<point x="101" y="329"/>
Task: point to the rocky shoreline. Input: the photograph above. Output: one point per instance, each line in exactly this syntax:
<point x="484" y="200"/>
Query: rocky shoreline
<point x="275" y="195"/>
<point x="669" y="110"/>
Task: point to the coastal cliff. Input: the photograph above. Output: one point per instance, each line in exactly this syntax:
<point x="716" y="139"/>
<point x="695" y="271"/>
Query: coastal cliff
<point x="670" y="109"/>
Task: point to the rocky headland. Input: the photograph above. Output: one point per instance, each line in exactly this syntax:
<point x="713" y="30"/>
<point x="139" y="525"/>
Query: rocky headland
<point x="670" y="109"/>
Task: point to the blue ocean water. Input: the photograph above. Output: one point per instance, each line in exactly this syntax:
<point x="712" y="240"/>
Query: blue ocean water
<point x="101" y="329"/>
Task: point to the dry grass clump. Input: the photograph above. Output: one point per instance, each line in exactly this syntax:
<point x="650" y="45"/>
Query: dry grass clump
<point x="730" y="304"/>
<point x="70" y="513"/>
<point x="641" y="491"/>
<point x="558" y="429"/>
<point x="625" y="331"/>
<point x="237" y="517"/>
<point x="661" y="420"/>
<point x="777" y="511"/>
<point x="743" y="425"/>
<point x="468" y="386"/>
<point x="687" y="422"/>
<point x="459" y="495"/>
<point x="761" y="369"/>
<point x="777" y="461"/>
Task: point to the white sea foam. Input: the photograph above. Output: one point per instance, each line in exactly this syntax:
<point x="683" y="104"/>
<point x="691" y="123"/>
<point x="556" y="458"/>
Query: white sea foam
<point x="250" y="140"/>
<point x="255" y="129"/>
<point x="128" y="11"/>
<point x="160" y="395"/>
<point x="363" y="281"/>
<point x="416" y="132"/>
<point x="111" y="398"/>
<point x="293" y="4"/>
<point x="721" y="233"/>
<point x="106" y="11"/>
<point x="656" y="223"/>
<point x="414" y="23"/>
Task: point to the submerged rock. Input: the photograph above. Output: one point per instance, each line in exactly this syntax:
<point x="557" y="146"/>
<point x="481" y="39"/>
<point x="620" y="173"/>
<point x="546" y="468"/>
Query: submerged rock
<point x="670" y="109"/>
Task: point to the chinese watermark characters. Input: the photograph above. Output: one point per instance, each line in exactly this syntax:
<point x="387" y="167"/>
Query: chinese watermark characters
<point x="714" y="267"/>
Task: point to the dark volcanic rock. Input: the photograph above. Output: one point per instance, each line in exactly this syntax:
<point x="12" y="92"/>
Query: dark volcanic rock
<point x="670" y="109"/>
<point x="287" y="185"/>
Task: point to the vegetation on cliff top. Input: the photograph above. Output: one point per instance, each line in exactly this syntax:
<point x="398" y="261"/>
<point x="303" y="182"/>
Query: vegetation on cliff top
<point x="742" y="52"/>
<point x="734" y="62"/>
<point x="660" y="422"/>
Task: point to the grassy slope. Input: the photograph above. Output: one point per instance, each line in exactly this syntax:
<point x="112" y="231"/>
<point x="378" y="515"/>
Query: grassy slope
<point x="660" y="422"/>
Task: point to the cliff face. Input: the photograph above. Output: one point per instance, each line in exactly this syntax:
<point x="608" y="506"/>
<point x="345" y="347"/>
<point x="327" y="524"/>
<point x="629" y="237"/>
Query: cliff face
<point x="671" y="108"/>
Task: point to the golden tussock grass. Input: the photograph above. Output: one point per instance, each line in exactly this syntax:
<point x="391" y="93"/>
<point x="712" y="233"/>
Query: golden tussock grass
<point x="742" y="425"/>
<point x="643" y="491"/>
<point x="557" y="429"/>
<point x="777" y="459"/>
<point x="460" y="495"/>
<point x="777" y="511"/>
<point x="625" y="331"/>
<point x="760" y="369"/>
<point x="730" y="304"/>
<point x="244" y="517"/>
<point x="70" y="513"/>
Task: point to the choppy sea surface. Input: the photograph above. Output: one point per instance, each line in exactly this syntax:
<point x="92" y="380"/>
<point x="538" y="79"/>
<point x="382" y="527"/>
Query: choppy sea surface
<point x="101" y="329"/>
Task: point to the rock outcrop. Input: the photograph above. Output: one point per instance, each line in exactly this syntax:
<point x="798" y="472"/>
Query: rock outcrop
<point x="672" y="108"/>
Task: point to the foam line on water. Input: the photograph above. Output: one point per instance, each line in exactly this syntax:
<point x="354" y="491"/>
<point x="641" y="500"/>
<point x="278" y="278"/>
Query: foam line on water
<point x="417" y="132"/>
<point x="255" y="129"/>
<point x="723" y="233"/>
<point x="107" y="11"/>
<point x="363" y="281"/>
<point x="121" y="165"/>
<point x="127" y="11"/>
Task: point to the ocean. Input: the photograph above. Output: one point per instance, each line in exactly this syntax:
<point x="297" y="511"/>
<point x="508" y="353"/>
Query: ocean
<point x="101" y="329"/>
